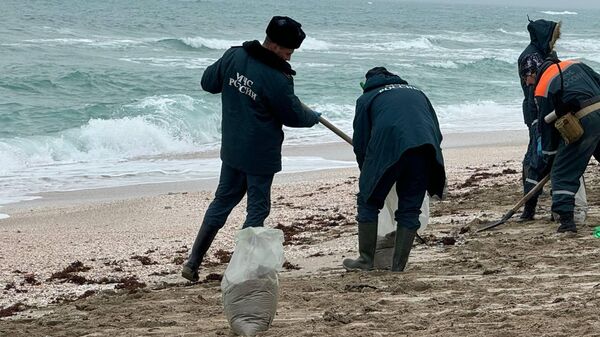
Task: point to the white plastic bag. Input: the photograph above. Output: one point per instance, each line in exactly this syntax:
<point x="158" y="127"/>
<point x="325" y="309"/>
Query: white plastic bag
<point x="581" y="204"/>
<point x="386" y="222"/>
<point x="250" y="285"/>
<point x="386" y="228"/>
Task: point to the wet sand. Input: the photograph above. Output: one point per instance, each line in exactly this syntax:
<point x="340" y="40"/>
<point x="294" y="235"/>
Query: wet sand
<point x="106" y="262"/>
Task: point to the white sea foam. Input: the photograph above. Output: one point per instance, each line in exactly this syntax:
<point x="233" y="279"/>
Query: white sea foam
<point x="442" y="64"/>
<point x="311" y="43"/>
<point x="315" y="65"/>
<point x="201" y="42"/>
<point x="156" y="125"/>
<point x="482" y="115"/>
<point x="93" y="42"/>
<point x="581" y="46"/>
<point x="188" y="63"/>
<point x="418" y="43"/>
<point x="519" y="33"/>
<point x="465" y="37"/>
<point x="559" y="13"/>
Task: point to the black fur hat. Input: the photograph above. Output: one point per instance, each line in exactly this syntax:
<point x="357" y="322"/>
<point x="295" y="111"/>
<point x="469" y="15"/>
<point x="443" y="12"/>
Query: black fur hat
<point x="286" y="32"/>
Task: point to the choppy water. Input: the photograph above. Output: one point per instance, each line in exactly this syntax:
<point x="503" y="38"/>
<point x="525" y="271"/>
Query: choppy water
<point x="106" y="93"/>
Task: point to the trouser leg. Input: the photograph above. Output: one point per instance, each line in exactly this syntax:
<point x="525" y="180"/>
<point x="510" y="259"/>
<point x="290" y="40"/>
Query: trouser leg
<point x="259" y="200"/>
<point x="368" y="211"/>
<point x="570" y="164"/>
<point x="411" y="187"/>
<point x="230" y="191"/>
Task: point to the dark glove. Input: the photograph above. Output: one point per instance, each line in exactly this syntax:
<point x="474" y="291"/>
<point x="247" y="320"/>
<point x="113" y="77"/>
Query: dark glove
<point x="318" y="116"/>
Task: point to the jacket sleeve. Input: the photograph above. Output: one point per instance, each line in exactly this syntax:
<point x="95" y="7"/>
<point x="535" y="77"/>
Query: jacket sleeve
<point x="212" y="78"/>
<point x="362" y="132"/>
<point x="529" y="107"/>
<point x="546" y="134"/>
<point x="288" y="109"/>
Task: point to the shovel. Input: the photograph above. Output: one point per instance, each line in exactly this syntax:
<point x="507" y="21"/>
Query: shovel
<point x="517" y="206"/>
<point x="345" y="137"/>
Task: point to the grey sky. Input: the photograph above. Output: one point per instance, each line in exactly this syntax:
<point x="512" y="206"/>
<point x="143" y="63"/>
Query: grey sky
<point x="550" y="4"/>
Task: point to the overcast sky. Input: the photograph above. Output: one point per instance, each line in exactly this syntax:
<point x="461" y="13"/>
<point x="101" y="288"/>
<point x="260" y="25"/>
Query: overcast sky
<point x="555" y="4"/>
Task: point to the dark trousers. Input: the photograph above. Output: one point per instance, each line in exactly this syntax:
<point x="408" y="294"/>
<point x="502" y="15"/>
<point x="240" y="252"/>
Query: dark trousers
<point x="570" y="164"/>
<point x="233" y="185"/>
<point x="531" y="173"/>
<point x="411" y="176"/>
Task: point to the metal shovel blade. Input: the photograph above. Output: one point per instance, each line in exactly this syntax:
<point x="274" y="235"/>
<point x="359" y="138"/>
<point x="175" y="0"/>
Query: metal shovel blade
<point x="521" y="202"/>
<point x="497" y="223"/>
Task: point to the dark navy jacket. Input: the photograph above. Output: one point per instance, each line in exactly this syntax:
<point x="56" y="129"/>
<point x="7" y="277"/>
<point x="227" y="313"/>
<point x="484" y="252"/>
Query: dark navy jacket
<point x="392" y="117"/>
<point x="540" y="34"/>
<point x="257" y="94"/>
<point x="578" y="86"/>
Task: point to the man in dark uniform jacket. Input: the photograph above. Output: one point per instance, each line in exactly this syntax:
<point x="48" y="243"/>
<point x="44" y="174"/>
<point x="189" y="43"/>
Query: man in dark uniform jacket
<point x="567" y="87"/>
<point x="257" y="94"/>
<point x="396" y="140"/>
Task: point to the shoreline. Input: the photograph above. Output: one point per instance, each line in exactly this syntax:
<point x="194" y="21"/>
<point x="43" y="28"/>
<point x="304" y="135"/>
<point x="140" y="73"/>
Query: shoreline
<point x="335" y="151"/>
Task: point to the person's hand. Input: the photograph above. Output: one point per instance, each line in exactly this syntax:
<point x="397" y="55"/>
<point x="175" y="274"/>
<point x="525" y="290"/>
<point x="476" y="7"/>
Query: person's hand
<point x="318" y="116"/>
<point x="539" y="147"/>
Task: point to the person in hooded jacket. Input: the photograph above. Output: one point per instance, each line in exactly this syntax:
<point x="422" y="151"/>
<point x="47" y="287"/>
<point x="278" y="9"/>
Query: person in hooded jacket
<point x="257" y="94"/>
<point x="396" y="140"/>
<point x="543" y="36"/>
<point x="567" y="87"/>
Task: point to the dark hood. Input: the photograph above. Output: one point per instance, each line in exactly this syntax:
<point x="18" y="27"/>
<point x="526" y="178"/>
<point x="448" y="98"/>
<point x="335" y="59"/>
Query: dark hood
<point x="543" y="35"/>
<point x="380" y="79"/>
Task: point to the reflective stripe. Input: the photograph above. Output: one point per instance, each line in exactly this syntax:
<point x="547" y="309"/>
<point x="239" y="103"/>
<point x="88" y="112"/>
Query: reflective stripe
<point x="562" y="192"/>
<point x="531" y="181"/>
<point x="534" y="122"/>
<point x="549" y="153"/>
<point x="541" y="89"/>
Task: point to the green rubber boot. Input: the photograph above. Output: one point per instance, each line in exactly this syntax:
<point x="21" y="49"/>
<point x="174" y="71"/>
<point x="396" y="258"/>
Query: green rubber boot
<point x="367" y="242"/>
<point x="404" y="242"/>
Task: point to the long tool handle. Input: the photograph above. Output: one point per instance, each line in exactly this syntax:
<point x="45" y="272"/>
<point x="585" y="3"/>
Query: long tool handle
<point x="335" y="130"/>
<point x="521" y="202"/>
<point x="531" y="193"/>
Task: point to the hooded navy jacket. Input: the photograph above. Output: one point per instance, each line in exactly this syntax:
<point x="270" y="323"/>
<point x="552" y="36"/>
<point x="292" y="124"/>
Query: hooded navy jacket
<point x="257" y="94"/>
<point x="392" y="117"/>
<point x="543" y="35"/>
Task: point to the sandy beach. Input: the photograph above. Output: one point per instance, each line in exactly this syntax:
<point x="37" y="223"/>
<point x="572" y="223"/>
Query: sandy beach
<point x="106" y="262"/>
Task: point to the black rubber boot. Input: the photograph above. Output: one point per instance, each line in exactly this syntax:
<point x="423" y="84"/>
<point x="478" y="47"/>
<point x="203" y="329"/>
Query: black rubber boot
<point x="367" y="242"/>
<point x="404" y="242"/>
<point x="528" y="211"/>
<point x="567" y="223"/>
<point x="203" y="241"/>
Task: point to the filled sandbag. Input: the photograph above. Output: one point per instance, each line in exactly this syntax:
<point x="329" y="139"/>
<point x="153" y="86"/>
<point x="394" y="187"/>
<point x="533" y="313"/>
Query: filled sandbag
<point x="250" y="285"/>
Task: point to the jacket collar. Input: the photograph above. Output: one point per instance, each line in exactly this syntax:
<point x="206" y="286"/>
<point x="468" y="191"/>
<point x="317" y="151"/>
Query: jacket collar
<point x="257" y="51"/>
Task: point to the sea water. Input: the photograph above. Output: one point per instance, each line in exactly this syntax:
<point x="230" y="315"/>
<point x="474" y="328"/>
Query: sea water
<point x="107" y="93"/>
